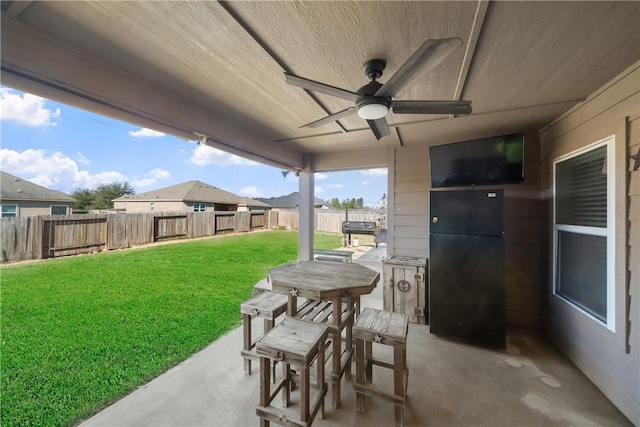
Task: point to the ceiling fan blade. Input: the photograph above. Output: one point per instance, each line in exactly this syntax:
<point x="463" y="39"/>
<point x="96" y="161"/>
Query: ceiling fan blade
<point x="320" y="87"/>
<point x="331" y="118"/>
<point x="428" y="56"/>
<point x="431" y="107"/>
<point x="379" y="128"/>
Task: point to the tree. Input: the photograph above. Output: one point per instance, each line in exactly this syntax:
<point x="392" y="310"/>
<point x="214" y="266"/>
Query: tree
<point x="382" y="211"/>
<point x="348" y="203"/>
<point x="83" y="197"/>
<point x="101" y="197"/>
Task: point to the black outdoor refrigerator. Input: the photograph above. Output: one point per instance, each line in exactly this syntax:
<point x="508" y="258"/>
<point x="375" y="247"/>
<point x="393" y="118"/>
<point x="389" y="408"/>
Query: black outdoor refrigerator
<point x="466" y="266"/>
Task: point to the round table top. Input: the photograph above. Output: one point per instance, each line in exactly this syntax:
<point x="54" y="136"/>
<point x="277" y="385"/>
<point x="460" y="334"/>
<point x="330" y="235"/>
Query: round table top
<point x="323" y="279"/>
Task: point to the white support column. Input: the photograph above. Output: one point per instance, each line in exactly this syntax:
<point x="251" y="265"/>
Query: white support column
<point x="391" y="202"/>
<point x="307" y="197"/>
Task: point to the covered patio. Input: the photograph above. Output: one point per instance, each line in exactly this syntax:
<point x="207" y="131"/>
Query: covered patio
<point x="566" y="75"/>
<point x="451" y="384"/>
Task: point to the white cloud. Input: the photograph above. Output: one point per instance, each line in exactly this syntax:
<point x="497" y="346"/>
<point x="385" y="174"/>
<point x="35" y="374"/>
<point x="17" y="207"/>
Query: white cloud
<point x="54" y="170"/>
<point x="318" y="189"/>
<point x="143" y="182"/>
<point x="82" y="159"/>
<point x="335" y="186"/>
<point x="251" y="191"/>
<point x="159" y="173"/>
<point x="321" y="176"/>
<point x="145" y="133"/>
<point x="150" y="178"/>
<point x="26" y="109"/>
<point x="374" y="172"/>
<point x="204" y="155"/>
<point x="365" y="182"/>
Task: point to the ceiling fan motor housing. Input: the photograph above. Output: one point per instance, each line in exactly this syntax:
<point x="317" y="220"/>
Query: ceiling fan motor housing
<point x="366" y="96"/>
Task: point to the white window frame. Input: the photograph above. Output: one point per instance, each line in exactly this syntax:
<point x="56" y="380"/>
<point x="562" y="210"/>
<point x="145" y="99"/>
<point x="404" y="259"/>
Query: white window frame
<point x="608" y="232"/>
<point x="59" y="206"/>
<point x="202" y="207"/>
<point x="17" y="210"/>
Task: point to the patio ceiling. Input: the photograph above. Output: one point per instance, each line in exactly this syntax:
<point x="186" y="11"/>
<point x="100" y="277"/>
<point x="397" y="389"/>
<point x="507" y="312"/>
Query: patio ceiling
<point x="216" y="69"/>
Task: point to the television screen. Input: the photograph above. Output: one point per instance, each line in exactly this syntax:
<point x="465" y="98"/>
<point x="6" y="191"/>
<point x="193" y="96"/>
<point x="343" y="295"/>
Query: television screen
<point x="488" y="161"/>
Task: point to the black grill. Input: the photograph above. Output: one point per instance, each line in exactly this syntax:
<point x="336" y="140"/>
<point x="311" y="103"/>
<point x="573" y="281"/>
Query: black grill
<point x="358" y="227"/>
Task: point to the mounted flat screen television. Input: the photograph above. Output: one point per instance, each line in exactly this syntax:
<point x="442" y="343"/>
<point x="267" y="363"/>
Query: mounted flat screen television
<point x="488" y="161"/>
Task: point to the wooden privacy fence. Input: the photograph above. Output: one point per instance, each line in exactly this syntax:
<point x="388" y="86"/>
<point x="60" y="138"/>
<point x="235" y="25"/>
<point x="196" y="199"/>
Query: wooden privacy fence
<point x="47" y="236"/>
<point x="327" y="221"/>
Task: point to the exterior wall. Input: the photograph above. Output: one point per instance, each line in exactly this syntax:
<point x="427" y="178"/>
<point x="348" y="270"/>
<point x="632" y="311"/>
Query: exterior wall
<point x="410" y="183"/>
<point x="145" y="206"/>
<point x="610" y="359"/>
<point x="135" y="206"/>
<point x="31" y="208"/>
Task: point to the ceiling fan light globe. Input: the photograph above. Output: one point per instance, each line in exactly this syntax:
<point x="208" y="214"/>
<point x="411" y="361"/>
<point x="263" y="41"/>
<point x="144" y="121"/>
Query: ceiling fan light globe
<point x="373" y="111"/>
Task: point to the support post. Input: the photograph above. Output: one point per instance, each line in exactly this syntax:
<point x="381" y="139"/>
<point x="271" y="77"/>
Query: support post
<point x="307" y="197"/>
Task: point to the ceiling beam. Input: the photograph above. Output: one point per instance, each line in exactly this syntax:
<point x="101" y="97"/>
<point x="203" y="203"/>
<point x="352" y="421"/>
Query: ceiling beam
<point x="15" y="8"/>
<point x="472" y="43"/>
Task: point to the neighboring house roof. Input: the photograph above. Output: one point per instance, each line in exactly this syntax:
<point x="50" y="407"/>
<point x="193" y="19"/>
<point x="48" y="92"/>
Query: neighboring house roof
<point x="191" y="191"/>
<point x="289" y="201"/>
<point x="16" y="189"/>
<point x="255" y="203"/>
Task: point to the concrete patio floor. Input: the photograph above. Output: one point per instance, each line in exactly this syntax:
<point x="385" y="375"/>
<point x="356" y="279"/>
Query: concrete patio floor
<point x="450" y="384"/>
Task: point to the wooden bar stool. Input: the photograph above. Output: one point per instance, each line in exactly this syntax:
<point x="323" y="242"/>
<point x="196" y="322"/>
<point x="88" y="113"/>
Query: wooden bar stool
<point x="267" y="305"/>
<point x="383" y="327"/>
<point x="298" y="343"/>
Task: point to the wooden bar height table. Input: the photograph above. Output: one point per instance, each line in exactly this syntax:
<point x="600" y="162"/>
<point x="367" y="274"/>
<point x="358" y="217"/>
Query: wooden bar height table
<point x="341" y="284"/>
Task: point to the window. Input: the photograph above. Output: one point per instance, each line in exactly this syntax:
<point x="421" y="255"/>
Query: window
<point x="59" y="210"/>
<point x="199" y="207"/>
<point x="152" y="206"/>
<point x="9" y="211"/>
<point x="584" y="231"/>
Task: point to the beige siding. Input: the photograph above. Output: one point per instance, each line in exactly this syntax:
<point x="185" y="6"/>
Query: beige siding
<point x="410" y="221"/>
<point x="134" y="206"/>
<point x="31" y="208"/>
<point x="411" y="182"/>
<point x="609" y="359"/>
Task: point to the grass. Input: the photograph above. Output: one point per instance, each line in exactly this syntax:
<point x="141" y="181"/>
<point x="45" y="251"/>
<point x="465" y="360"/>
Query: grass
<point x="79" y="333"/>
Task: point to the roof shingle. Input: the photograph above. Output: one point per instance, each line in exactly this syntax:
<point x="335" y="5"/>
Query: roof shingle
<point x="16" y="188"/>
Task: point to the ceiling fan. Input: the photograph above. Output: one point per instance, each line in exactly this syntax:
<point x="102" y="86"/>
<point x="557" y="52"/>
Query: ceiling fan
<point x="373" y="100"/>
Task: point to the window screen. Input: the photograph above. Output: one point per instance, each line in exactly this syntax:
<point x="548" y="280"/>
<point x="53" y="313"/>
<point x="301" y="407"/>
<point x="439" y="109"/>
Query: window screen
<point x="581" y="189"/>
<point x="582" y="272"/>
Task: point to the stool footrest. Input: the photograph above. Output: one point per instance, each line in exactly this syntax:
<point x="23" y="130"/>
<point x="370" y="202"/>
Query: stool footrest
<point x="346" y="355"/>
<point x="372" y="391"/>
<point x="380" y="362"/>
<point x="282" y="417"/>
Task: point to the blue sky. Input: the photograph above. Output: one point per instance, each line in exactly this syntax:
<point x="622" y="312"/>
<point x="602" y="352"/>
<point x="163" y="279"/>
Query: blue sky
<point x="65" y="148"/>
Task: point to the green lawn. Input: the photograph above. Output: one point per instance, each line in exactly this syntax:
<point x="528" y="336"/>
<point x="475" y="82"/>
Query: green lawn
<point x="80" y="332"/>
